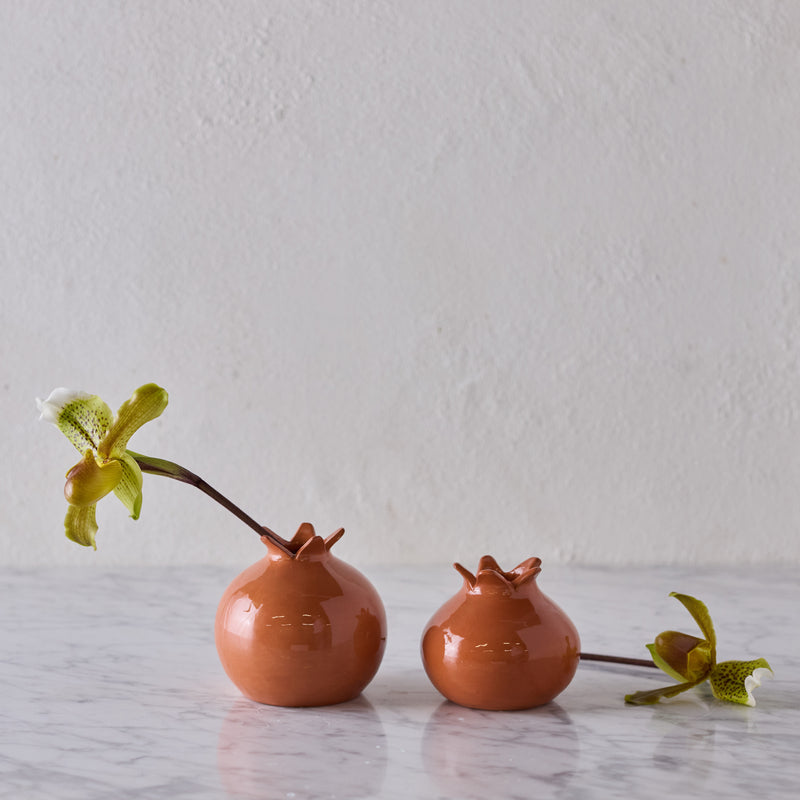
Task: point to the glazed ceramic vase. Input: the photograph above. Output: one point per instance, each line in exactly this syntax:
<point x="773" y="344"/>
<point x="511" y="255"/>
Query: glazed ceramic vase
<point x="500" y="643"/>
<point x="307" y="630"/>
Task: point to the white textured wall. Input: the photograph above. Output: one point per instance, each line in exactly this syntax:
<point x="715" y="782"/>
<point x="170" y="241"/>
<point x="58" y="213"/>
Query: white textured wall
<point x="463" y="277"/>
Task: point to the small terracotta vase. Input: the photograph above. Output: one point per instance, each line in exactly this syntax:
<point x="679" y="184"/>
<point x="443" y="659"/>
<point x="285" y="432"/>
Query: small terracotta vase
<point x="500" y="643"/>
<point x="308" y="630"/>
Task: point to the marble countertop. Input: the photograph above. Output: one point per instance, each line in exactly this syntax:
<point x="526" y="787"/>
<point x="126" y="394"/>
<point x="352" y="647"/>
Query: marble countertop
<point x="111" y="689"/>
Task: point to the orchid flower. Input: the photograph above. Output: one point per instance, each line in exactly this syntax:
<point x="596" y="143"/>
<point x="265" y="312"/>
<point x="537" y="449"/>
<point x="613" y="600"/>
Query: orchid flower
<point x="102" y="439"/>
<point x="693" y="661"/>
<point x="108" y="466"/>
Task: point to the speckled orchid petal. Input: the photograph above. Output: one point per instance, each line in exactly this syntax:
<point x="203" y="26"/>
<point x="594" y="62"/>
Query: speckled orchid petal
<point x="80" y="525"/>
<point x="102" y="439"/>
<point x="735" y="680"/>
<point x="129" y="488"/>
<point x="694" y="660"/>
<point x="144" y="405"/>
<point x="83" y="418"/>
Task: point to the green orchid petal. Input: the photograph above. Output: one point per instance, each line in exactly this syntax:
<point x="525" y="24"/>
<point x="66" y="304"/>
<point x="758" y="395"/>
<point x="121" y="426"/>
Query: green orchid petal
<point x="129" y="488"/>
<point x="735" y="680"/>
<point x="701" y="616"/>
<point x="80" y="525"/>
<point x="662" y="664"/>
<point x="682" y="656"/>
<point x="654" y="695"/>
<point x="83" y="418"/>
<point x="145" y="404"/>
<point x="88" y="481"/>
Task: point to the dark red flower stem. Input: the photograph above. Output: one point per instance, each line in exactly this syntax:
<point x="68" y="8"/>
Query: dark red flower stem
<point x="635" y="662"/>
<point x="168" y="469"/>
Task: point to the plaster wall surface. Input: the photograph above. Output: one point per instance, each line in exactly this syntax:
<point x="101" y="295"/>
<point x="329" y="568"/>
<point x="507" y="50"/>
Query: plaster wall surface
<point x="462" y="277"/>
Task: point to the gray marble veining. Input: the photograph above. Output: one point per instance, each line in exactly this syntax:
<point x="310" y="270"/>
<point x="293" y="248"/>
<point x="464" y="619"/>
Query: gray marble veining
<point x="111" y="688"/>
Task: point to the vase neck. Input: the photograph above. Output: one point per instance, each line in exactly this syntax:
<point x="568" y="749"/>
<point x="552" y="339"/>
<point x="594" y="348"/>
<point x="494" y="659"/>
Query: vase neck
<point x="490" y="579"/>
<point x="305" y="545"/>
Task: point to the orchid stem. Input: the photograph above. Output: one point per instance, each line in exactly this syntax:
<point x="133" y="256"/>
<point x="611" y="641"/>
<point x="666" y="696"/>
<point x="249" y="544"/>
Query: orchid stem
<point x="635" y="662"/>
<point x="168" y="469"/>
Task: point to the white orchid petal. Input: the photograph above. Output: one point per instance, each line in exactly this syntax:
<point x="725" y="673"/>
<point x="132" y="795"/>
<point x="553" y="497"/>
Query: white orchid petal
<point x="753" y="681"/>
<point x="83" y="418"/>
<point x="50" y="409"/>
<point x="735" y="680"/>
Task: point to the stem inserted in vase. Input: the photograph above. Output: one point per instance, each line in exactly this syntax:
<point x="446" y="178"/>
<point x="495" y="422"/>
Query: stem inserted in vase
<point x="168" y="469"/>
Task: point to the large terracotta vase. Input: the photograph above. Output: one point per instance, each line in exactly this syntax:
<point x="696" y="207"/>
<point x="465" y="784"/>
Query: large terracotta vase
<point x="307" y="630"/>
<point x="500" y="643"/>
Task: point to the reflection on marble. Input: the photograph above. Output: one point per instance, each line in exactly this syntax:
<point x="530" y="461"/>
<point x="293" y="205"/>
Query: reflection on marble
<point x="112" y="689"/>
<point x="522" y="753"/>
<point x="264" y="747"/>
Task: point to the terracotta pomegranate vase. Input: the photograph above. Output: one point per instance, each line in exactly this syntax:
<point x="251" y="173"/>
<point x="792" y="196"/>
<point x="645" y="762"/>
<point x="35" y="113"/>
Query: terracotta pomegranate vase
<point x="500" y="643"/>
<point x="307" y="630"/>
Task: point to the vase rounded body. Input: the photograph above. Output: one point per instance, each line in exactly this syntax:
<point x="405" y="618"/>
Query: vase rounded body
<point x="500" y="643"/>
<point x="301" y="630"/>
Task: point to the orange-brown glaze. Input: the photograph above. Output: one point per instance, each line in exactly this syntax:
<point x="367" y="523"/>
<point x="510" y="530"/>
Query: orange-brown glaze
<point x="303" y="631"/>
<point x="500" y="643"/>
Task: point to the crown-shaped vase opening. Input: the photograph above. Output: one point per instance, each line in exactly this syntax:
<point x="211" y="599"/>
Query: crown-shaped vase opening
<point x="305" y="544"/>
<point x="490" y="577"/>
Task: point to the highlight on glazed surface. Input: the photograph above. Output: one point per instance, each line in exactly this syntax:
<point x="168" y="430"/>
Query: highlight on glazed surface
<point x="306" y="630"/>
<point x="500" y="643"/>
